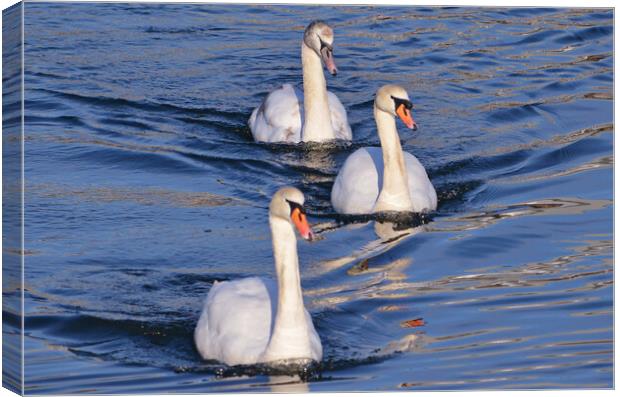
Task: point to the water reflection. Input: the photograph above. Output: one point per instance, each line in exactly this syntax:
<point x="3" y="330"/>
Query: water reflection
<point x="494" y="214"/>
<point x="287" y="384"/>
<point x="389" y="234"/>
<point x="390" y="231"/>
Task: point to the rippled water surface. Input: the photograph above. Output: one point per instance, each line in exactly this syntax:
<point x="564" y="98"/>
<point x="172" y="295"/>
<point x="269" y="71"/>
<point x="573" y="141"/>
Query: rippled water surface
<point x="143" y="186"/>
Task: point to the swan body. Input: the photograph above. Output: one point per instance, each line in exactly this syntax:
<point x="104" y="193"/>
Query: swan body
<point x="384" y="179"/>
<point x="280" y="117"/>
<point x="314" y="115"/>
<point x="359" y="182"/>
<point x="257" y="320"/>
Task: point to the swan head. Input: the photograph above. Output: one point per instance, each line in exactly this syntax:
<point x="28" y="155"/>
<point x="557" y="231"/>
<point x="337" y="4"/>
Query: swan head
<point x="319" y="37"/>
<point x="288" y="204"/>
<point x="394" y="100"/>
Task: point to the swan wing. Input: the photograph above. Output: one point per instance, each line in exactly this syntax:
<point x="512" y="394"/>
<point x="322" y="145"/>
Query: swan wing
<point x="340" y="122"/>
<point x="356" y="187"/>
<point x="235" y="323"/>
<point x="423" y="195"/>
<point x="278" y="118"/>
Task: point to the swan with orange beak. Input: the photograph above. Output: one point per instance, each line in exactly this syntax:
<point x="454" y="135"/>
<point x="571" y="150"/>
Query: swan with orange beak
<point x="238" y="325"/>
<point x="385" y="179"/>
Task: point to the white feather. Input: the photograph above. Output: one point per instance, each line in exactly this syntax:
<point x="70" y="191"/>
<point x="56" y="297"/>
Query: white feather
<point x="237" y="319"/>
<point x="279" y="118"/>
<point x="359" y="182"/>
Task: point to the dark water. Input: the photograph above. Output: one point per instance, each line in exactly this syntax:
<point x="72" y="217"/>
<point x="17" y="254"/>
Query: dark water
<point x="143" y="186"/>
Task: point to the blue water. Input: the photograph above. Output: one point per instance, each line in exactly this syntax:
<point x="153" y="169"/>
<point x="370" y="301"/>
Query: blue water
<point x="143" y="186"/>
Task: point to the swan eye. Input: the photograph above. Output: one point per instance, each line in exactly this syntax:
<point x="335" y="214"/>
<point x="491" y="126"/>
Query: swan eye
<point x="404" y="102"/>
<point x="325" y="45"/>
<point x="294" y="206"/>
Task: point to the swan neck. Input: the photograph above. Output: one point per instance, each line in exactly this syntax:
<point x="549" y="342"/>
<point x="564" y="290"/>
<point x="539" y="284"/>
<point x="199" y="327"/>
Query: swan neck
<point x="317" y="125"/>
<point x="394" y="194"/>
<point x="290" y="313"/>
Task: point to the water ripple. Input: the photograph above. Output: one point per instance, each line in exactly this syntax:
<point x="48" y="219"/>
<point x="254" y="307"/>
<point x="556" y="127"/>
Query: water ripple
<point x="144" y="187"/>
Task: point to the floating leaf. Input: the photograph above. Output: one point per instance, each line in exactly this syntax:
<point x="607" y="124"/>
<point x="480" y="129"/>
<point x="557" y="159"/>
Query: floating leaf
<point x="416" y="322"/>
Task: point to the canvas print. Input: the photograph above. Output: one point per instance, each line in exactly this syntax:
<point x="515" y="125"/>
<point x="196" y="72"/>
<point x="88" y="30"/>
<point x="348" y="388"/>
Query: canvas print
<point x="214" y="198"/>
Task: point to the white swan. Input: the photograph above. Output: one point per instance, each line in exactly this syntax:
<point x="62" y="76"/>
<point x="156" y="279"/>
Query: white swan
<point x="387" y="179"/>
<point x="279" y="118"/>
<point x="237" y="326"/>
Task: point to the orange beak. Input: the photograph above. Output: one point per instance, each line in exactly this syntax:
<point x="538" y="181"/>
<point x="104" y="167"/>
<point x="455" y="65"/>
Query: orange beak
<point x="301" y="223"/>
<point x="405" y="116"/>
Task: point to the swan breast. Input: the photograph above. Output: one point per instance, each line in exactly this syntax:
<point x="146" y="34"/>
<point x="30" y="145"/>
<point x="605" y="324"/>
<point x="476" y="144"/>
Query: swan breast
<point x="360" y="179"/>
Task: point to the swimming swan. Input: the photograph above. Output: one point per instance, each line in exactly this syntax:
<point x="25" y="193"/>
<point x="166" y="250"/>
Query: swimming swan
<point x="236" y="325"/>
<point x="387" y="179"/>
<point x="279" y="118"/>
